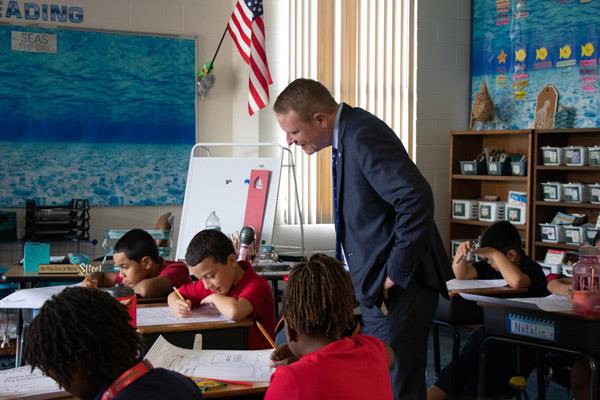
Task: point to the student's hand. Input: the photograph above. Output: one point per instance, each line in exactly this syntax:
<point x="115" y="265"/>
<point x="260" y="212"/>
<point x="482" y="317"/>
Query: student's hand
<point x="282" y="356"/>
<point x="182" y="308"/>
<point x="462" y="251"/>
<point x="490" y="255"/>
<point x="94" y="281"/>
<point x="387" y="285"/>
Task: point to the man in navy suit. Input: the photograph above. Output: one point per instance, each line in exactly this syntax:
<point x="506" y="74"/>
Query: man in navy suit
<point x="384" y="214"/>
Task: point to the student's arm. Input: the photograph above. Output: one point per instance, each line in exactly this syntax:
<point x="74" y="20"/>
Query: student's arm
<point x="511" y="272"/>
<point x="153" y="287"/>
<point x="100" y="279"/>
<point x="230" y="307"/>
<point x="562" y="286"/>
<point x="461" y="267"/>
<point x="179" y="307"/>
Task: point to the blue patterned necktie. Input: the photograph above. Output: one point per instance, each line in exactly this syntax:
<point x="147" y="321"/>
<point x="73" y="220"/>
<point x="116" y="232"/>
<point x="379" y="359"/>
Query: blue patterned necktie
<point x="338" y="247"/>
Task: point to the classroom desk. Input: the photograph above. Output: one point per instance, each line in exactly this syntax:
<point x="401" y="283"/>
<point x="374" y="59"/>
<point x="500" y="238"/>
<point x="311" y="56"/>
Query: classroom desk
<point x="455" y="312"/>
<point x="564" y="332"/>
<point x="215" y="335"/>
<point x="16" y="274"/>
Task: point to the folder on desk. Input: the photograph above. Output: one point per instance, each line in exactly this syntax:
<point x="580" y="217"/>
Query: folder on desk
<point x="34" y="255"/>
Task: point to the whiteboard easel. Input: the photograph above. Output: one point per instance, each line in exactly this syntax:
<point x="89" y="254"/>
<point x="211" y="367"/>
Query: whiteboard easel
<point x="220" y="184"/>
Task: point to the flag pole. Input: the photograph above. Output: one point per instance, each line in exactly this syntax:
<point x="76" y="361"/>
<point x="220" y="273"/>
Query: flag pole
<point x="210" y="66"/>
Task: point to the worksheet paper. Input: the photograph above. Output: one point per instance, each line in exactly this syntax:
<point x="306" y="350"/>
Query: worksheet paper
<point x="31" y="298"/>
<point x="552" y="303"/>
<point x="21" y="383"/>
<point x="163" y="316"/>
<point x="463" y="284"/>
<point x="234" y="365"/>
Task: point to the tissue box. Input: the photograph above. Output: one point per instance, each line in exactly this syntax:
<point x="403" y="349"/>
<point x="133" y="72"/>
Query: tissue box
<point x="576" y="193"/>
<point x="552" y="233"/>
<point x="516" y="214"/>
<point x="34" y="255"/>
<point x="552" y="191"/>
<point x="553" y="155"/>
<point x="574" y="234"/>
<point x="594" y="192"/>
<point x="576" y="156"/>
<point x="594" y="155"/>
<point x="465" y="209"/>
<point x="491" y="211"/>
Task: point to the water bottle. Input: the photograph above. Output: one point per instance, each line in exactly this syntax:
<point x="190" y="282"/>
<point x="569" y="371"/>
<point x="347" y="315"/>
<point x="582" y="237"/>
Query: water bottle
<point x="213" y="222"/>
<point x="586" y="282"/>
<point x="125" y="295"/>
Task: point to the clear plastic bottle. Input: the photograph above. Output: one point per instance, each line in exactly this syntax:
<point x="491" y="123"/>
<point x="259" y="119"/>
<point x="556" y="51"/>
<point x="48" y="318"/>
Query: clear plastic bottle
<point x="213" y="222"/>
<point x="586" y="282"/>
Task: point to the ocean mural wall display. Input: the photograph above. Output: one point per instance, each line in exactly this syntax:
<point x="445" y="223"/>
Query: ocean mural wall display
<point x="108" y="117"/>
<point x="520" y="46"/>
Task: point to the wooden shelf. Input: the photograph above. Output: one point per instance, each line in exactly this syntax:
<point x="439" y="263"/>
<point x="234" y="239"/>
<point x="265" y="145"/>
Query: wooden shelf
<point x="480" y="223"/>
<point x="490" y="133"/>
<point x="557" y="245"/>
<point x="563" y="204"/>
<point x="490" y="178"/>
<point x="567" y="168"/>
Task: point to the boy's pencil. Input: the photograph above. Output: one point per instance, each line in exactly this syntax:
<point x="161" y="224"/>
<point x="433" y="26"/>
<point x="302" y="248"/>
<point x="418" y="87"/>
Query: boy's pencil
<point x="178" y="293"/>
<point x="243" y="383"/>
<point x="265" y="334"/>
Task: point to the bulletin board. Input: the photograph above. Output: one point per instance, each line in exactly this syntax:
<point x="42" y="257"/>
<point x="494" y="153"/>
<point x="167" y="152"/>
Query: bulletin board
<point x="220" y="184"/>
<point x="99" y="115"/>
<point x="520" y="46"/>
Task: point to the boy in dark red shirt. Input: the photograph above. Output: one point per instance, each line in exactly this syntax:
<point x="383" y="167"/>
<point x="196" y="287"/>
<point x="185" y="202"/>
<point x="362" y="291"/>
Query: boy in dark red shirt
<point x="141" y="267"/>
<point x="232" y="286"/>
<point x="323" y="364"/>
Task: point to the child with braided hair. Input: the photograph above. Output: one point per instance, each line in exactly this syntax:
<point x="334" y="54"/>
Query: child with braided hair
<point x="82" y="339"/>
<point x="319" y="361"/>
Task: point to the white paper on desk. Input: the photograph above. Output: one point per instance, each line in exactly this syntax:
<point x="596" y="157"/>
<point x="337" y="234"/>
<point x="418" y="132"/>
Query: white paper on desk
<point x="163" y="316"/>
<point x="458" y="284"/>
<point x="21" y="383"/>
<point x="552" y="303"/>
<point x="236" y="365"/>
<point x="31" y="298"/>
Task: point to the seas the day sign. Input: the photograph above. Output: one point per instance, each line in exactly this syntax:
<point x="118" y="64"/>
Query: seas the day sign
<point x="520" y="46"/>
<point x="108" y="117"/>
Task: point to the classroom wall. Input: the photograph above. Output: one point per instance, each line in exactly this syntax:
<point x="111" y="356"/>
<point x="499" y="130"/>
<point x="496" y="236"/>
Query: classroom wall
<point x="441" y="101"/>
<point x="442" y="91"/>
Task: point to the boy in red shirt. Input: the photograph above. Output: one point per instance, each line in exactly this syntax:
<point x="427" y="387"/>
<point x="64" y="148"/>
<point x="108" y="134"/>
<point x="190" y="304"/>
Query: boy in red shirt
<point x="318" y="306"/>
<point x="141" y="267"/>
<point x="232" y="286"/>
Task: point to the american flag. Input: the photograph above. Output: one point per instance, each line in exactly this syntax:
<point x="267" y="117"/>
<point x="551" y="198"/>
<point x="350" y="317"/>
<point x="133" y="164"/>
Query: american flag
<point x="247" y="29"/>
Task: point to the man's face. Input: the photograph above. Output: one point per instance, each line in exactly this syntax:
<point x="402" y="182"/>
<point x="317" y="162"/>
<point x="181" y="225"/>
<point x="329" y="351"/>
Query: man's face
<point x="312" y="135"/>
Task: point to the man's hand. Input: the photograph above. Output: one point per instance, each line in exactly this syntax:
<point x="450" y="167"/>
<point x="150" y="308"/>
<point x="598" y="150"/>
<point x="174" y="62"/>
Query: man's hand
<point x="387" y="285"/>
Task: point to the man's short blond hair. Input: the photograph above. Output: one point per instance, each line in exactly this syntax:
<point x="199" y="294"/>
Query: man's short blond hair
<point x="306" y="97"/>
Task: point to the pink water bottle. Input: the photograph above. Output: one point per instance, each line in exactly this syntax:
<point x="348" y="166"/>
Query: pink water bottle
<point x="586" y="282"/>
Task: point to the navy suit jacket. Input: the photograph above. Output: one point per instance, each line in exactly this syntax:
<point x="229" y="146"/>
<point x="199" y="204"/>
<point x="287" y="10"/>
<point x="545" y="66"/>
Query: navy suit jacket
<point x="385" y="211"/>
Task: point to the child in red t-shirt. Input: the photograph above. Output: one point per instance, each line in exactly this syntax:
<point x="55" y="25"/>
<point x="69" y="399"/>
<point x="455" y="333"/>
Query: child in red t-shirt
<point x="141" y="267"/>
<point x="232" y="286"/>
<point x="319" y="362"/>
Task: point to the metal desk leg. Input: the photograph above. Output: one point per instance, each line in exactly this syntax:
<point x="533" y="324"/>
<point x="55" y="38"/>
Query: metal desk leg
<point x="455" y="352"/>
<point x="435" y="336"/>
<point x="593" y="390"/>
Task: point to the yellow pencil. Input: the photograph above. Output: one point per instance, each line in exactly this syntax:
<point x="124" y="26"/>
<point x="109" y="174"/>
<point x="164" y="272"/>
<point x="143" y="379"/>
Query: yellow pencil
<point x="265" y="334"/>
<point x="178" y="293"/>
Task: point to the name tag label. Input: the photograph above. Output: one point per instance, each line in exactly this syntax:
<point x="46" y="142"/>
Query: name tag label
<point x="532" y="327"/>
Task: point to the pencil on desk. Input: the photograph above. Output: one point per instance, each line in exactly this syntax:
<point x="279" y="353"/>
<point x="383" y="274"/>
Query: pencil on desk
<point x="242" y="383"/>
<point x="265" y="334"/>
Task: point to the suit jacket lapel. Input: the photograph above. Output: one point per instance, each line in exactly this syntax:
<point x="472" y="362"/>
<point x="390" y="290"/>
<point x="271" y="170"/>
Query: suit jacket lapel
<point x="344" y="117"/>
